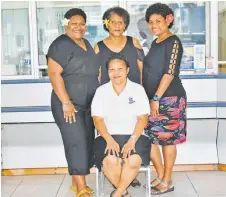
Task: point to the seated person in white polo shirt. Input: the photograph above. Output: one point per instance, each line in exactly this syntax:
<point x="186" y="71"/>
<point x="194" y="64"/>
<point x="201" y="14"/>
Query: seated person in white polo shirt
<point x="120" y="111"/>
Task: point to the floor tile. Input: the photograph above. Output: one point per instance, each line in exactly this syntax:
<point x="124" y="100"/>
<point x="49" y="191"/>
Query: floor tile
<point x="8" y="189"/>
<point x="203" y="175"/>
<point x="36" y="190"/>
<point x="43" y="179"/>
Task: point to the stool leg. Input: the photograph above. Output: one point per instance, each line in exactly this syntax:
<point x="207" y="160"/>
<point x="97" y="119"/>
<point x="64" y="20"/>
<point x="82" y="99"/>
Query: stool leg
<point x="102" y="184"/>
<point x="148" y="181"/>
<point x="97" y="183"/>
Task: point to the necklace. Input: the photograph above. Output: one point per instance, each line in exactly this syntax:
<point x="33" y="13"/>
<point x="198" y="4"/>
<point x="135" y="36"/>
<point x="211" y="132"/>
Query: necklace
<point x="79" y="42"/>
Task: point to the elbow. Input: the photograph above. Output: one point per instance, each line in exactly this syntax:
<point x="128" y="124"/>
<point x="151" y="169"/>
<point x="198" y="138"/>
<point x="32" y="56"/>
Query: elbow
<point x="143" y="120"/>
<point x="97" y="121"/>
<point x="53" y="75"/>
<point x="168" y="77"/>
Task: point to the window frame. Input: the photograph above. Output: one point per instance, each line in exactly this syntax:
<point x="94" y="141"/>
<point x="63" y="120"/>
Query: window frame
<point x="32" y="76"/>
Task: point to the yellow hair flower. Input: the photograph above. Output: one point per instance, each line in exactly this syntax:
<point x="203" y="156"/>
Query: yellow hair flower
<point x="106" y="22"/>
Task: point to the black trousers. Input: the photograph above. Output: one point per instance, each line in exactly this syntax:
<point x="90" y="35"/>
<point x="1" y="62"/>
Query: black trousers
<point x="78" y="139"/>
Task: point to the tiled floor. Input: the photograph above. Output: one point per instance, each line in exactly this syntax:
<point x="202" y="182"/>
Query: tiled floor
<point x="187" y="184"/>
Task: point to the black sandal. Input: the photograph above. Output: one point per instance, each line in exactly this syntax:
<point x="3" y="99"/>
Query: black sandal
<point x="112" y="193"/>
<point x="135" y="183"/>
<point x="124" y="195"/>
<point x="169" y="188"/>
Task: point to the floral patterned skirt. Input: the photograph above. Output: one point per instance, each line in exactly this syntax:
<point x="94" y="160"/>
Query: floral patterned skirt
<point x="169" y="127"/>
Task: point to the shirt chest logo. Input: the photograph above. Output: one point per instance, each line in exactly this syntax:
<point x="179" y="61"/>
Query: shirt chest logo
<point x="131" y="101"/>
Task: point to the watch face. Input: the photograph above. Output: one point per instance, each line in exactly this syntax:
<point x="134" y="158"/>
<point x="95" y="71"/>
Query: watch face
<point x="155" y="98"/>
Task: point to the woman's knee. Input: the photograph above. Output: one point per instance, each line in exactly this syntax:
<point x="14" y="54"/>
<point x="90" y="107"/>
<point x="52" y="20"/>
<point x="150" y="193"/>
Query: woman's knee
<point x="110" y="160"/>
<point x="134" y="161"/>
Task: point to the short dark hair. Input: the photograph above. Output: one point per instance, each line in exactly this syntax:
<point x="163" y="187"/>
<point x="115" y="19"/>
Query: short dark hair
<point x="75" y="11"/>
<point x="160" y="9"/>
<point x="120" y="12"/>
<point x="117" y="56"/>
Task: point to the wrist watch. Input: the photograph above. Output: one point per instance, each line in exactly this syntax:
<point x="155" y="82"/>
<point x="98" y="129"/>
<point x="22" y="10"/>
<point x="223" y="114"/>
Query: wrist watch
<point x="156" y="98"/>
<point x="133" y="137"/>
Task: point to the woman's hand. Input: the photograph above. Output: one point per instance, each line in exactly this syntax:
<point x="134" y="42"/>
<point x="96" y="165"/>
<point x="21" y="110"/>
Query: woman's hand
<point x="128" y="147"/>
<point x="69" y="112"/>
<point x="112" y="146"/>
<point x="154" y="108"/>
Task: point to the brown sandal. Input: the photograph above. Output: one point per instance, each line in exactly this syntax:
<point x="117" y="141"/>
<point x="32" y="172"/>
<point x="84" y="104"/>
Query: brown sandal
<point x="169" y="188"/>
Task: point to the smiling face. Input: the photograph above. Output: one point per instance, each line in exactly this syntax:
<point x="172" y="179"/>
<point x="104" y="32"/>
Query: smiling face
<point x="117" y="71"/>
<point x="116" y="25"/>
<point x="157" y="24"/>
<point x="76" y="27"/>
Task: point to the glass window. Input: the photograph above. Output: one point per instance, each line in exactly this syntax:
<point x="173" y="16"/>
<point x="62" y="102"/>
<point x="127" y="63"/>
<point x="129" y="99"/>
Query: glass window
<point x="222" y="36"/>
<point x="189" y="26"/>
<point x="49" y="23"/>
<point x="16" y="54"/>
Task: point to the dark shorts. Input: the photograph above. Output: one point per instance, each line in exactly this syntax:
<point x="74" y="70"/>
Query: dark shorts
<point x="143" y="148"/>
<point x="169" y="128"/>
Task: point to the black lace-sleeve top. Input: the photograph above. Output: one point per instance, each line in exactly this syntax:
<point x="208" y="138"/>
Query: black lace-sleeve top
<point x="163" y="58"/>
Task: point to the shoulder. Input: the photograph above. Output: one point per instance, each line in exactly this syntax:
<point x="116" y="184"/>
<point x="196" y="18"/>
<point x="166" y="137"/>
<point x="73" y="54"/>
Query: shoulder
<point x="61" y="41"/>
<point x="96" y="48"/>
<point x="136" y="43"/>
<point x="135" y="87"/>
<point x="174" y="40"/>
<point x="154" y="42"/>
<point x="103" y="88"/>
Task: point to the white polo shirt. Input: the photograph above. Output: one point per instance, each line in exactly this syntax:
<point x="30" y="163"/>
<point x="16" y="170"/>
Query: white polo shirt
<point x="120" y="112"/>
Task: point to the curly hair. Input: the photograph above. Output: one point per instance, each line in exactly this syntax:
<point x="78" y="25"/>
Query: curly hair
<point x="120" y="12"/>
<point x="117" y="56"/>
<point x="75" y="11"/>
<point x="160" y="9"/>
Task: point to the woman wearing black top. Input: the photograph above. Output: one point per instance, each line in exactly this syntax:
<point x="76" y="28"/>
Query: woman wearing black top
<point x="73" y="71"/>
<point x="167" y="122"/>
<point x="115" y="21"/>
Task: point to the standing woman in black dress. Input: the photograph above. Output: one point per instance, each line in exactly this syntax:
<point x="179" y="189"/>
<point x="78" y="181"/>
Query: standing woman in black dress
<point x="73" y="71"/>
<point x="167" y="122"/>
<point x="115" y="22"/>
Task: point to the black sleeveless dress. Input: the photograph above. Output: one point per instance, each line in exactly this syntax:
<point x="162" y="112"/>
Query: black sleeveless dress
<point x="80" y="75"/>
<point x="129" y="51"/>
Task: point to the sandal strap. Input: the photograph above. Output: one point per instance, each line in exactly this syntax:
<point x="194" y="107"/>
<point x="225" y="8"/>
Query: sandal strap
<point x="158" y="180"/>
<point x="73" y="189"/>
<point x="165" y="184"/>
<point x="83" y="191"/>
<point x="91" y="191"/>
<point x="124" y="195"/>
